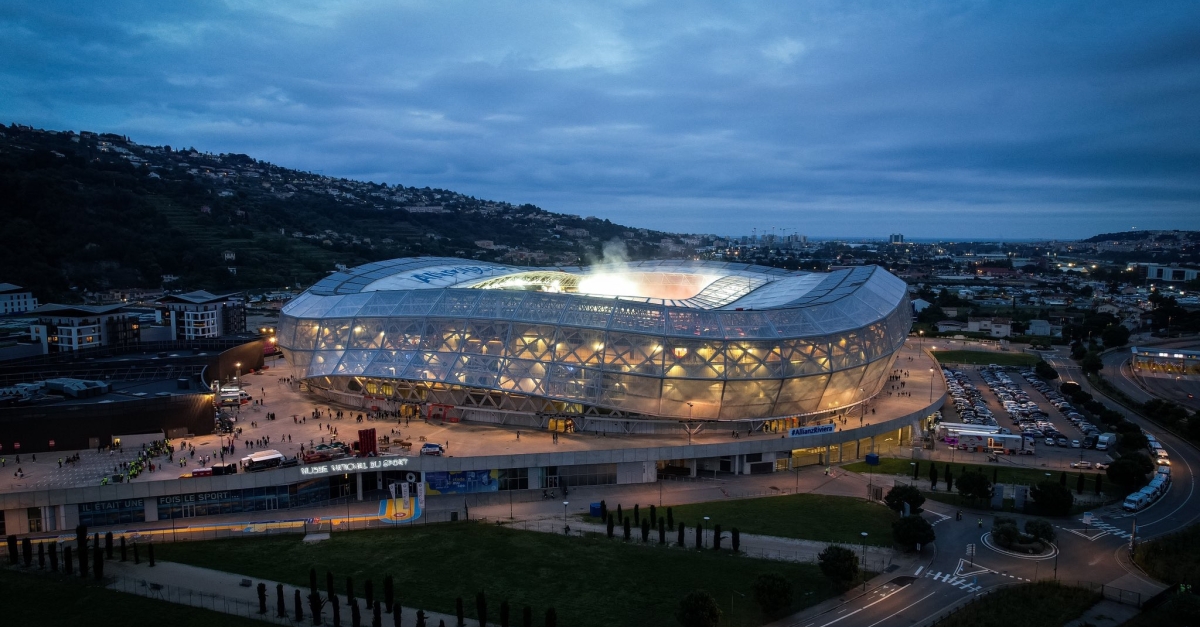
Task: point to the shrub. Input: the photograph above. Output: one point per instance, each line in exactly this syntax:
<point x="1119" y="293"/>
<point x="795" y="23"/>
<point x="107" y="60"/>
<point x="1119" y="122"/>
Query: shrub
<point x="839" y="565"/>
<point x="1051" y="499"/>
<point x="773" y="593"/>
<point x="1039" y="529"/>
<point x="698" y="609"/>
<point x="901" y="494"/>
<point x="910" y="531"/>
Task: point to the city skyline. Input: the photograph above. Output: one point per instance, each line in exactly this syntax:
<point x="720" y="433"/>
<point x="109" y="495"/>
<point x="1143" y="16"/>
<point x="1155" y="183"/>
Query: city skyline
<point x="940" y="122"/>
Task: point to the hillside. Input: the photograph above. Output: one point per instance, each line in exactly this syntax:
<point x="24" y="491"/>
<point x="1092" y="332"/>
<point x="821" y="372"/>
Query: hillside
<point x="86" y="211"/>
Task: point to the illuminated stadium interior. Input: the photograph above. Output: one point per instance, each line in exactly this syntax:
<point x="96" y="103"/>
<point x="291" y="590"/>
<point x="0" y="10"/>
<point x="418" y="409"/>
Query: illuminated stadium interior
<point x="645" y="340"/>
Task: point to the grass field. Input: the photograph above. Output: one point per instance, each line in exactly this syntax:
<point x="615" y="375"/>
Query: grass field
<point x="1042" y="604"/>
<point x="804" y="516"/>
<point x="1003" y="473"/>
<point x="1180" y="609"/>
<point x="58" y="600"/>
<point x="1173" y="558"/>
<point x="589" y="581"/>
<point x="983" y="358"/>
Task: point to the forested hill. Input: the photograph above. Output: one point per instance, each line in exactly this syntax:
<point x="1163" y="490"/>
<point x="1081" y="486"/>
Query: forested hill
<point x="86" y="211"/>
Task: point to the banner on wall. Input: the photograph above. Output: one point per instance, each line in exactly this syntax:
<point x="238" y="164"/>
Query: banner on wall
<point x="799" y="432"/>
<point x="404" y="494"/>
<point x="463" y="482"/>
<point x="421" y="495"/>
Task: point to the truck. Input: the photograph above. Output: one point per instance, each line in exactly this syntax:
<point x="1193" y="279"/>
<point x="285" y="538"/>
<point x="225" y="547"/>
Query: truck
<point x="974" y="440"/>
<point x="1135" y="502"/>
<point x="1106" y="441"/>
<point x="1089" y="441"/>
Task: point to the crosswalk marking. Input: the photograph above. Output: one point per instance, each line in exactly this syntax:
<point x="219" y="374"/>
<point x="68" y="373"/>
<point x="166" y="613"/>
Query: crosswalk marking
<point x="957" y="582"/>
<point x="1114" y="530"/>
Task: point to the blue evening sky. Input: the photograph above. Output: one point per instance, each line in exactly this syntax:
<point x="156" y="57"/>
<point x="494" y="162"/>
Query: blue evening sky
<point x="1015" y="119"/>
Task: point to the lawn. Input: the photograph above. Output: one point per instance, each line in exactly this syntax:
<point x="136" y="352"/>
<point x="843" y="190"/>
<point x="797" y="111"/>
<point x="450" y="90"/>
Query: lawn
<point x="1004" y="473"/>
<point x="804" y="516"/>
<point x="589" y="581"/>
<point x="983" y="358"/>
<point x="1173" y="558"/>
<point x="1042" y="604"/>
<point x="57" y="600"/>
<point x="1179" y="609"/>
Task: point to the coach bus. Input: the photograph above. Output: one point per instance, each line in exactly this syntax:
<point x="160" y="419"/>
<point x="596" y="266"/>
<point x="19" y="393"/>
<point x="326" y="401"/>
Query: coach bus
<point x="262" y="460"/>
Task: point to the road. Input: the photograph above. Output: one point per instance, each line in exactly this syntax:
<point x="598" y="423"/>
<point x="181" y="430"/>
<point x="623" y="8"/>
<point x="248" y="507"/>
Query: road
<point x="1098" y="552"/>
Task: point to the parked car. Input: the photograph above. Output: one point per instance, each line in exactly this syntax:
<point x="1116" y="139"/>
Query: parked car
<point x="1101" y="466"/>
<point x="1075" y="444"/>
<point x="432" y="448"/>
<point x="1082" y="465"/>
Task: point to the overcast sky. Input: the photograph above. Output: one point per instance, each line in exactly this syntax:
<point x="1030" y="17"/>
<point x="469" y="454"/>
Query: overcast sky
<point x="939" y="119"/>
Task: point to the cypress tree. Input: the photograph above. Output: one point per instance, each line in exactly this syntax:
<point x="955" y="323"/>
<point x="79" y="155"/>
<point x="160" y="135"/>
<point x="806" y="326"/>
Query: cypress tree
<point x="280" y="602"/>
<point x="735" y="539"/>
<point x="396" y="615"/>
<point x="54" y="556"/>
<point x="916" y="470"/>
<point x="700" y="536"/>
<point x="336" y="610"/>
<point x="637" y="517"/>
<point x="108" y="545"/>
<point x="330" y="593"/>
<point x="150" y="555"/>
<point x="933" y="476"/>
<point x="299" y="607"/>
<point x="620" y="514"/>
<point x="67" y="560"/>
<point x="349" y="589"/>
<point x="1079" y="484"/>
<point x="97" y="563"/>
<point x="27" y="553"/>
<point x="679" y="538"/>
<point x="662" y="530"/>
<point x="717" y="537"/>
<point x="124" y="552"/>
<point x="1062" y="479"/>
<point x="81" y="542"/>
<point x="603" y="510"/>
<point x="646" y="530"/>
<point x="369" y="593"/>
<point x="504" y="613"/>
<point x="421" y="618"/>
<point x="458" y="612"/>
<point x="481" y="608"/>
<point x="609" y="526"/>
<point x="670" y="518"/>
<point x="262" y="598"/>
<point x="41" y="555"/>
<point x="1099" y="481"/>
<point x="389" y="592"/>
<point x="653" y="515"/>
<point x="949" y="479"/>
<point x="355" y="614"/>
<point x="551" y="618"/>
<point x="377" y="618"/>
<point x="12" y="549"/>
<point x="625" y="528"/>
<point x="527" y="617"/>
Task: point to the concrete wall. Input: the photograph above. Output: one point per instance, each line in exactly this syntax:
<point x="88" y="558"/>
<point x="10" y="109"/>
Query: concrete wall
<point x="634" y="465"/>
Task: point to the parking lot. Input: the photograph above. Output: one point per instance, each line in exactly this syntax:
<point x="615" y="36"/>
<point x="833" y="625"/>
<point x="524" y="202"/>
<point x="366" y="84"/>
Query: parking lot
<point x="1004" y="399"/>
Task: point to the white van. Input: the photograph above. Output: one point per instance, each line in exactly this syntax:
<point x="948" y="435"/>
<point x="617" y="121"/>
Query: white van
<point x="1164" y="470"/>
<point x="1135" y="502"/>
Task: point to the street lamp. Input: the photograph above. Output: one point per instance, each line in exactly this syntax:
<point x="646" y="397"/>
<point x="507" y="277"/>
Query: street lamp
<point x="931" y="384"/>
<point x="864" y="560"/>
<point x="689" y="425"/>
<point x="702" y="537"/>
<point x="565" y="509"/>
<point x="922" y="334"/>
<point x="238" y="377"/>
<point x="862" y="407"/>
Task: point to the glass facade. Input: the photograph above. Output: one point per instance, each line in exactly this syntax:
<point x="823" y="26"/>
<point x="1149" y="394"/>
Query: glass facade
<point x="753" y="343"/>
<point x="112" y="512"/>
<point x="219" y="502"/>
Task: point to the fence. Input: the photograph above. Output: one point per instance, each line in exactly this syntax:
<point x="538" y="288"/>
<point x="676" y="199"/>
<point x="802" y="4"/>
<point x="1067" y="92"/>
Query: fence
<point x="1125" y="597"/>
<point x="577" y="530"/>
<point x="209" y="601"/>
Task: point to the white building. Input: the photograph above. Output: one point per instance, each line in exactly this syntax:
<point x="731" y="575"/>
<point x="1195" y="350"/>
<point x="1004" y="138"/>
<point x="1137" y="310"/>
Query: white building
<point x="995" y="327"/>
<point x="62" y="328"/>
<point x="13" y="299"/>
<point x="201" y="314"/>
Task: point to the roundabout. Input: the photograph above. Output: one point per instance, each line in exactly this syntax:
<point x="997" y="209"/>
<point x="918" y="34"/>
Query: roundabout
<point x="1045" y="555"/>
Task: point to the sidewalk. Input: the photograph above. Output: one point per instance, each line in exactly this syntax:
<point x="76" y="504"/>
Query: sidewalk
<point x="184" y="584"/>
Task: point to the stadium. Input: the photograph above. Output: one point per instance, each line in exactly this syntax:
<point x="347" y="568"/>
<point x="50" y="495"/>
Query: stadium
<point x="631" y="343"/>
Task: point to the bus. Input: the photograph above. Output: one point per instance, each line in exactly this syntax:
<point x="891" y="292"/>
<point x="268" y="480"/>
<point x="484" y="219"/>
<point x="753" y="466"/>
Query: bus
<point x="262" y="460"/>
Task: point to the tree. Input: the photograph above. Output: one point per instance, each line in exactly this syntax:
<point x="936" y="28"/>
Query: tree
<point x="670" y="518"/>
<point x="1091" y="363"/>
<point x="54" y="556"/>
<point x="41" y="555"/>
<point x="603" y="510"/>
<point x="262" y="598"/>
<point x="1127" y="473"/>
<point x="377" y="615"/>
<point x="609" y="526"/>
<point x="974" y="486"/>
<point x="839" y="565"/>
<point x="551" y="617"/>
<point x="1040" y="529"/>
<point x="625" y="528"/>
<point x="700" y="536"/>
<point x="901" y="494"/>
<point x="716" y="537"/>
<point x="1051" y="499"/>
<point x="27" y="553"/>
<point x="458" y="612"/>
<point x="336" y="610"/>
<point x="1115" y="335"/>
<point x="620" y="514"/>
<point x="389" y="592"/>
<point x="662" y="530"/>
<point x="1132" y="441"/>
<point x="299" y="607"/>
<point x="97" y="562"/>
<point x="910" y="531"/>
<point x="81" y="543"/>
<point x="281" y="603"/>
<point x="12" y="549"/>
<point x="108" y="545"/>
<point x="679" y="537"/>
<point x="653" y="515"/>
<point x="949" y="478"/>
<point x="1062" y="479"/>
<point x="933" y="476"/>
<point x="773" y="593"/>
<point x="1005" y="531"/>
<point x="421" y="618"/>
<point x="698" y="609"/>
<point x="1099" y="481"/>
<point x="916" y="470"/>
<point x="1045" y="370"/>
<point x="735" y="539"/>
<point x="527" y="616"/>
<point x="504" y="613"/>
<point x="1079" y="484"/>
<point x="645" y="530"/>
<point x="368" y="591"/>
<point x="637" y="516"/>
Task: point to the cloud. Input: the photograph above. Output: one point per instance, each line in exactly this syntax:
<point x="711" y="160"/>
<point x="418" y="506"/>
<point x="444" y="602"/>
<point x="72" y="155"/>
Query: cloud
<point x="1005" y="119"/>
